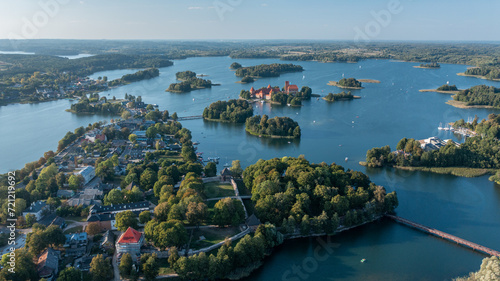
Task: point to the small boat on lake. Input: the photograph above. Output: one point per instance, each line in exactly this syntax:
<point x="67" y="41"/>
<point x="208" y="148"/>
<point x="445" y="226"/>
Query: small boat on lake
<point x="363" y="260"/>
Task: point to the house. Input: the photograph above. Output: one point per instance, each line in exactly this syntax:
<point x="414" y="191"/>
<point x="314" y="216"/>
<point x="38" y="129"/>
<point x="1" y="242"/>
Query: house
<point x="118" y="208"/>
<point x="130" y="242"/>
<point x="225" y="174"/>
<point x="76" y="244"/>
<point x="88" y="173"/>
<point x="108" y="240"/>
<point x="264" y="93"/>
<point x="59" y="222"/>
<point x="434" y="143"/>
<point x="94" y="136"/>
<point x="290" y="89"/>
<point x="48" y="264"/>
<point x="253" y="222"/>
<point x="36" y="208"/>
<point x="65" y="193"/>
<point x="79" y="201"/>
<point x="105" y="221"/>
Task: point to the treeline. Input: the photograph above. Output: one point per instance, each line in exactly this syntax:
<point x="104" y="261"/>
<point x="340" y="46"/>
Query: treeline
<point x="488" y="70"/>
<point x="138" y="76"/>
<point x="340" y="96"/>
<point x="236" y="111"/>
<point x="277" y="126"/>
<point x="488" y="128"/>
<point x="480" y="95"/>
<point x="103" y="107"/>
<point x="292" y="99"/>
<point x="314" y="198"/>
<point x="230" y="262"/>
<point x="447" y="87"/>
<point x="349" y="82"/>
<point x="268" y="70"/>
<point x="190" y="82"/>
<point x="430" y="65"/>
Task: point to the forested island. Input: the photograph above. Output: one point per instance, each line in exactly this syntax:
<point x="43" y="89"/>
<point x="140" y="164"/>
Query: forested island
<point x="429" y="65"/>
<point x="189" y="83"/>
<point x="480" y="154"/>
<point x="444" y="89"/>
<point x="235" y="66"/>
<point x="234" y="111"/>
<point x="347" y="83"/>
<point x="277" y="127"/>
<point x="96" y="105"/>
<point x="489" y="71"/>
<point x="477" y="96"/>
<point x="340" y="97"/>
<point x="280" y="96"/>
<point x="267" y="70"/>
<point x="138" y="76"/>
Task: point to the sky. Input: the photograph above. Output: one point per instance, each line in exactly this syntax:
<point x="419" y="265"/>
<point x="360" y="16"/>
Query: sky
<point x="457" y="20"/>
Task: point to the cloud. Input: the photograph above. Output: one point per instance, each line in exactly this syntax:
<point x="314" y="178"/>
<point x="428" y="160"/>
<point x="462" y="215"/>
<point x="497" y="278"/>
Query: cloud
<point x="195" y="8"/>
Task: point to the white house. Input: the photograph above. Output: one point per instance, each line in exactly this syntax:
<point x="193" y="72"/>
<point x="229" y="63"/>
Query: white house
<point x="88" y="173"/>
<point x="36" y="208"/>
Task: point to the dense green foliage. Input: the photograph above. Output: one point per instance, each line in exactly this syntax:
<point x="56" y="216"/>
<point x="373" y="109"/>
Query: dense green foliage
<point x="268" y="70"/>
<point x="292" y="192"/>
<point x="236" y="111"/>
<point x="340" y="96"/>
<point x="480" y="95"/>
<point x="489" y="128"/>
<point x="488" y="70"/>
<point x="138" y="76"/>
<point x="235" y="65"/>
<point x="189" y="82"/>
<point x="228" y="211"/>
<point x="102" y="106"/>
<point x="349" y="82"/>
<point x="247" y="79"/>
<point x="277" y="126"/>
<point x="430" y="65"/>
<point x="230" y="262"/>
<point x="447" y="87"/>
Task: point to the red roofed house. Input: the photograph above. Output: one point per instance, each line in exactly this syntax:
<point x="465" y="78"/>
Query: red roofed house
<point x="48" y="264"/>
<point x="264" y="93"/>
<point x="291" y="89"/>
<point x="130" y="242"/>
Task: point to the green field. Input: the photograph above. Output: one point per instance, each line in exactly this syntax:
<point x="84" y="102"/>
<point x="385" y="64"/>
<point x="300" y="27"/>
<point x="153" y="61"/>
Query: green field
<point x="212" y="236"/>
<point x="216" y="190"/>
<point x="456" y="171"/>
<point x="74" y="229"/>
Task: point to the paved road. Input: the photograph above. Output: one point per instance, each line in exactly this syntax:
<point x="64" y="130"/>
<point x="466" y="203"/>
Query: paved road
<point x="233" y="197"/>
<point x="115" y="267"/>
<point x="20" y="242"/>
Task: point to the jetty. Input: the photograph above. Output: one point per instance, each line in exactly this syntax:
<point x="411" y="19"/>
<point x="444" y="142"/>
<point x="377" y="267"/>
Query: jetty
<point x="446" y="236"/>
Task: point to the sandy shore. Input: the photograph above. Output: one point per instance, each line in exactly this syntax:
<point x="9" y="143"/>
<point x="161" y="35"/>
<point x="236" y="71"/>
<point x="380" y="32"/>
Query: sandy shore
<point x="476" y="76"/>
<point x="460" y="104"/>
<point x="418" y="66"/>
<point x="438" y="91"/>
<point x="368" y="81"/>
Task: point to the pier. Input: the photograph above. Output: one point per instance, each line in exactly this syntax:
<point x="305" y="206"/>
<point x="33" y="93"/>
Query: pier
<point x="446" y="236"/>
<point x="190" y="117"/>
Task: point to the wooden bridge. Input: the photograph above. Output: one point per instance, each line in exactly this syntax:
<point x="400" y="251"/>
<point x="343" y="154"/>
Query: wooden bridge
<point x="190" y="117"/>
<point x="446" y="236"/>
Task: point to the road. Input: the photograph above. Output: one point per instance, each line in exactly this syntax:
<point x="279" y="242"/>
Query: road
<point x="116" y="271"/>
<point x="20" y="242"/>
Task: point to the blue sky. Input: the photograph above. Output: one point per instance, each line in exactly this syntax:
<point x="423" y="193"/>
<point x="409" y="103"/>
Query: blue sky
<point x="251" y="19"/>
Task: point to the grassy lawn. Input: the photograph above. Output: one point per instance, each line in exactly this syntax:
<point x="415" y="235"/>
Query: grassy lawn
<point x="242" y="188"/>
<point x="212" y="236"/>
<point x="165" y="267"/>
<point x="75" y="219"/>
<point x="216" y="189"/>
<point x="249" y="206"/>
<point x="74" y="229"/>
<point x="456" y="171"/>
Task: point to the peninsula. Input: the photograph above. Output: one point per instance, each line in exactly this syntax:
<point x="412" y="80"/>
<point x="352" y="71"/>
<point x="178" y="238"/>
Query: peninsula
<point x="267" y="70"/>
<point x="445" y="89"/>
<point x="347" y="83"/>
<point x="480" y="96"/>
<point x="340" y="97"/>
<point x="233" y="111"/>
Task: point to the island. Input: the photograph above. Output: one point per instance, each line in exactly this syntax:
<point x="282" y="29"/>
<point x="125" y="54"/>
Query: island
<point x="340" y="97"/>
<point x="477" y="156"/>
<point x="267" y="70"/>
<point x="480" y="96"/>
<point x="444" y="89"/>
<point x="488" y="71"/>
<point x="432" y="65"/>
<point x="288" y="95"/>
<point x="246" y="80"/>
<point x="347" y="83"/>
<point x="234" y="111"/>
<point x="235" y="66"/>
<point x="138" y="76"/>
<point x="189" y="83"/>
<point x="277" y="127"/>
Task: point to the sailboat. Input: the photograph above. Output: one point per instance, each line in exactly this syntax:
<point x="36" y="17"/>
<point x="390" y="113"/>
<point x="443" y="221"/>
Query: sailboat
<point x="440" y="126"/>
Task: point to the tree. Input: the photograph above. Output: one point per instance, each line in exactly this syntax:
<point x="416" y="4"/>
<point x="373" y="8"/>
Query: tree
<point x="25" y="267"/>
<point x="228" y="211"/>
<point x="30" y="219"/>
<point x="126" y="115"/>
<point x="101" y="269"/>
<point x="151" y="268"/>
<point x="173" y="256"/>
<point x="210" y="169"/>
<point x="196" y="213"/>
<point x="75" y="182"/>
<point x="188" y="154"/>
<point x="93" y="228"/>
<point x="132" y="138"/>
<point x="144" y="217"/>
<point x="125" y="220"/>
<point x="148" y="179"/>
<point x="174" y="116"/>
<point x="125" y="266"/>
<point x="70" y="274"/>
<point x="236" y="168"/>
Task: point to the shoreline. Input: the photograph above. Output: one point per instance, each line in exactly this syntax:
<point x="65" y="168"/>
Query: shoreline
<point x="418" y="66"/>
<point x="336" y="84"/>
<point x="369" y="81"/>
<point x="454" y="171"/>
<point x="270" y="136"/>
<point x="439" y="91"/>
<point x="463" y="105"/>
<point x="344" y="99"/>
<point x="477" y="76"/>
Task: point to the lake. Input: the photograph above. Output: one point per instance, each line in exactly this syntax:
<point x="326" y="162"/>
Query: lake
<point x="387" y="112"/>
